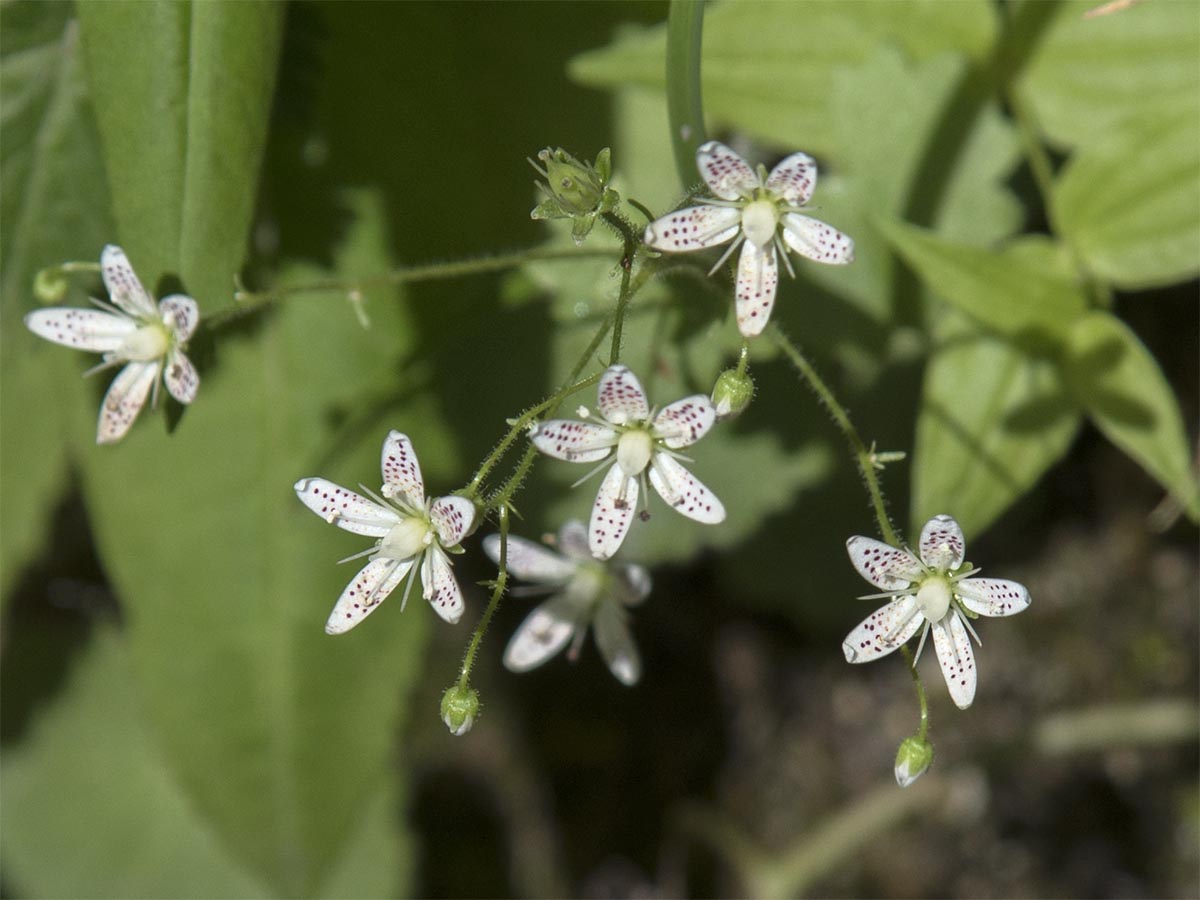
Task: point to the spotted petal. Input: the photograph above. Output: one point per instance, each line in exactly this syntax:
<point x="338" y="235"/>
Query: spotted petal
<point x="181" y="313"/>
<point x="612" y="513"/>
<point x="794" y="178"/>
<point x="83" y="329"/>
<point x="440" y="587"/>
<point x="125" y="398"/>
<point x="685" y="421"/>
<point x="362" y="596"/>
<point x="453" y="518"/>
<point x="123" y="286"/>
<point x="621" y="398"/>
<point x="942" y="545"/>
<point x="757" y="279"/>
<point x="992" y="596"/>
<point x="344" y="508"/>
<point x="816" y="240"/>
<point x="883" y="565"/>
<point x="694" y="228"/>
<point x="530" y="561"/>
<point x="725" y="172"/>
<point x="544" y="633"/>
<point x="401" y="471"/>
<point x="683" y="490"/>
<point x="620" y="653"/>
<point x="958" y="660"/>
<point x="181" y="377"/>
<point x="883" y="630"/>
<point x="574" y="441"/>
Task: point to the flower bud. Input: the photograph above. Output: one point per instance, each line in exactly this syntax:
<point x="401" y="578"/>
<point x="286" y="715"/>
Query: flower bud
<point x="574" y="189"/>
<point x="50" y="285"/>
<point x="732" y="393"/>
<point x="460" y="705"/>
<point x="912" y="759"/>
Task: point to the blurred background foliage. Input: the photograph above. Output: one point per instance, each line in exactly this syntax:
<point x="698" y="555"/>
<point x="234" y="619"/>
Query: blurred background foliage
<point x="1023" y="185"/>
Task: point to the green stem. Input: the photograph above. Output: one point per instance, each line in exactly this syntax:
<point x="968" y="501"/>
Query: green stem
<point x="631" y="241"/>
<point x="520" y="424"/>
<point x="743" y="362"/>
<point x="685" y="107"/>
<point x="923" y="731"/>
<point x="249" y="302"/>
<point x="862" y="456"/>
<point x="498" y="587"/>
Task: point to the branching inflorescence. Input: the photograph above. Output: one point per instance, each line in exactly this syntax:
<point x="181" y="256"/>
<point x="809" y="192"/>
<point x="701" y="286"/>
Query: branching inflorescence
<point x="756" y="211"/>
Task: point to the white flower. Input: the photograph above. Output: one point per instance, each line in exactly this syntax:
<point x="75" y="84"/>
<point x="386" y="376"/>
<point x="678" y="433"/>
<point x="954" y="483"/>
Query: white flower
<point x="645" y="445"/>
<point x="146" y="338"/>
<point x="762" y="211"/>
<point x="935" y="591"/>
<point x="411" y="531"/>
<point x="585" y="592"/>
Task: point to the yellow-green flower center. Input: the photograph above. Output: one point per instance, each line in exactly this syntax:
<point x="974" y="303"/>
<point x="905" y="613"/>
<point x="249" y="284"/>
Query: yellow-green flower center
<point x="759" y="220"/>
<point x="633" y="451"/>
<point x="933" y="598"/>
<point x="147" y="343"/>
<point x="408" y="537"/>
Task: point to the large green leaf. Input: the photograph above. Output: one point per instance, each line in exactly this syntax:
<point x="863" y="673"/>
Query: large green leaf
<point x="1128" y="398"/>
<point x="1089" y="75"/>
<point x="768" y="68"/>
<point x="1129" y="202"/>
<point x="993" y="418"/>
<point x="53" y="208"/>
<point x="182" y="93"/>
<point x="1024" y="291"/>
<point x="280" y="735"/>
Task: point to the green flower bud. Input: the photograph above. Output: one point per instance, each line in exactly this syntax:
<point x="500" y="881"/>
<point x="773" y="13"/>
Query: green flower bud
<point x="732" y="393"/>
<point x="574" y="189"/>
<point x="460" y="705"/>
<point x="912" y="760"/>
<point x="50" y="285"/>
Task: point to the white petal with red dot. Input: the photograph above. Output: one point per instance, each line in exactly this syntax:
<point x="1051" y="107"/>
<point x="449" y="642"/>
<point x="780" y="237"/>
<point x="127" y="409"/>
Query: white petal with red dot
<point x="685" y="421"/>
<point x="757" y="281"/>
<point x="616" y="643"/>
<point x="453" y="518"/>
<point x="83" y="329"/>
<point x="123" y="286"/>
<point x="574" y="441"/>
<point x="816" y="240"/>
<point x="694" y="228"/>
<point x="621" y="398"/>
<point x="794" y="178"/>
<point x="125" y="398"/>
<point x="544" y="633"/>
<point x="992" y="596"/>
<point x="942" y="545"/>
<point x="181" y="377"/>
<point x="612" y="513"/>
<point x="440" y="585"/>
<point x="953" y="647"/>
<point x="883" y="565"/>
<point x="530" y="561"/>
<point x="344" y="508"/>
<point x="365" y="592"/>
<point x="401" y="471"/>
<point x="883" y="630"/>
<point x="683" y="491"/>
<point x="725" y="172"/>
<point x="181" y="314"/>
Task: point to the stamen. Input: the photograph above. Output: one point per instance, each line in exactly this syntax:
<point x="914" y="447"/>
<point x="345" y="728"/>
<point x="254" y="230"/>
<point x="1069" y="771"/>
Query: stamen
<point x="725" y="255"/>
<point x="604" y="462"/>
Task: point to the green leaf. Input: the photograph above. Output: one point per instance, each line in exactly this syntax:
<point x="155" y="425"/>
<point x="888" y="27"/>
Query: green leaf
<point x="1022" y="291"/>
<point x="1129" y="202"/>
<point x="1090" y="75"/>
<point x="992" y="419"/>
<point x="53" y="208"/>
<point x="279" y="734"/>
<point x="768" y="68"/>
<point x="182" y="93"/>
<point x="1128" y="398"/>
<point x="93" y="811"/>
